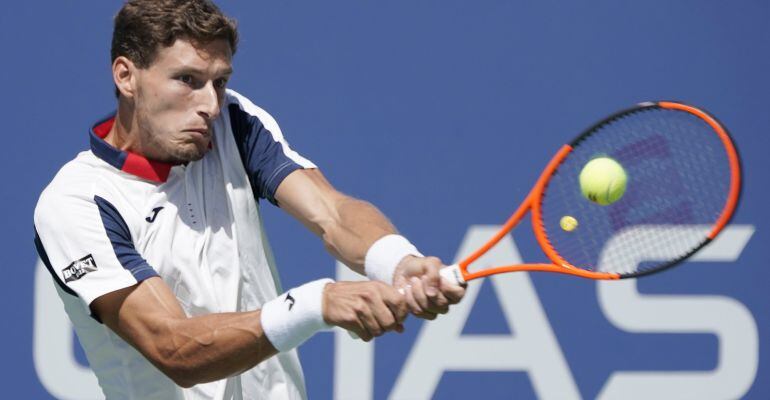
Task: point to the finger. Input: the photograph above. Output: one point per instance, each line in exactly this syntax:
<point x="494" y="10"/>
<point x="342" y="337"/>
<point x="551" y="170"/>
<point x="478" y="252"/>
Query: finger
<point x="442" y="304"/>
<point x="430" y="316"/>
<point x="400" y="311"/>
<point x="414" y="307"/>
<point x="395" y="301"/>
<point x="418" y="291"/>
<point x="453" y="293"/>
<point x="390" y="309"/>
<point x="385" y="318"/>
<point x="369" y="322"/>
<point x="431" y="277"/>
<point x="360" y="331"/>
<point x="438" y="302"/>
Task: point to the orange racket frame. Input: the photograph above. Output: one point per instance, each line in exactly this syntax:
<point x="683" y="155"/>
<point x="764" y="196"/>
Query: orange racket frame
<point x="459" y="272"/>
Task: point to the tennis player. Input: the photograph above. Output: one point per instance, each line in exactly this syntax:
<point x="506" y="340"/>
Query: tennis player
<point x="155" y="239"/>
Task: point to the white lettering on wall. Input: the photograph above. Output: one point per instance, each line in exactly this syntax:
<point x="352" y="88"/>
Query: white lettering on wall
<point x="726" y="318"/>
<point x="532" y="348"/>
<point x="53" y="353"/>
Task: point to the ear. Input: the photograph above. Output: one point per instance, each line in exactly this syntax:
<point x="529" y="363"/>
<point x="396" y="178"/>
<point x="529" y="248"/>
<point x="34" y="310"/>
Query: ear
<point x="124" y="76"/>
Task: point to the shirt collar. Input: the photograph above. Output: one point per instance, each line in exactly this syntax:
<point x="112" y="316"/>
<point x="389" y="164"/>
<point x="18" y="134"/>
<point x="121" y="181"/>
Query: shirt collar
<point x="125" y="161"/>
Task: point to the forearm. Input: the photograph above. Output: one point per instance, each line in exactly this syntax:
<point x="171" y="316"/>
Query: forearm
<point x="359" y="224"/>
<point x="209" y="347"/>
<point x="348" y="226"/>
<point x="192" y="350"/>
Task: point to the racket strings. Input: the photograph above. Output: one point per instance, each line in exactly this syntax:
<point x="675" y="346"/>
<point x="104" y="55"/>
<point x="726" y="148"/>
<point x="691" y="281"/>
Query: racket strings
<point x="678" y="180"/>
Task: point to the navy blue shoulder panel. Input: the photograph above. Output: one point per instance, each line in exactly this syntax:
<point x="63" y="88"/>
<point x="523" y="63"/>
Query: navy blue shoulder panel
<point x="263" y="157"/>
<point x="120" y="237"/>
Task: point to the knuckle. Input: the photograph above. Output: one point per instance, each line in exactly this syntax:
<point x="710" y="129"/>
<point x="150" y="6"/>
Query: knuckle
<point x="351" y="317"/>
<point x="381" y="285"/>
<point x="365" y="296"/>
<point x="433" y="264"/>
<point x="361" y="306"/>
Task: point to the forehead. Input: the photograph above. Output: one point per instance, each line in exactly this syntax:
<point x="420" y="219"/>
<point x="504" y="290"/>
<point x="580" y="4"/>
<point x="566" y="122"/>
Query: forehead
<point x="213" y="56"/>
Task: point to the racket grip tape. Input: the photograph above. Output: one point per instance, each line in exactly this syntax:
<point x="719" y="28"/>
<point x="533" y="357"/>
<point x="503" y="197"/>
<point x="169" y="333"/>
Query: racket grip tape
<point x="453" y="274"/>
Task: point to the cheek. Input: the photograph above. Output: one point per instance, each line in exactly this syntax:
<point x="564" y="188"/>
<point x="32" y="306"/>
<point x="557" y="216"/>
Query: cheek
<point x="163" y="109"/>
<point x="163" y="95"/>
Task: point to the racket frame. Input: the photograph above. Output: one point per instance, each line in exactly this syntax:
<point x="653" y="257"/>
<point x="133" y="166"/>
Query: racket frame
<point x="459" y="272"/>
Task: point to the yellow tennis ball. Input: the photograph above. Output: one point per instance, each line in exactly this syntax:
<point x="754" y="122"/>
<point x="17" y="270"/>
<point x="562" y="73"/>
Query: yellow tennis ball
<point x="568" y="223"/>
<point x="603" y="180"/>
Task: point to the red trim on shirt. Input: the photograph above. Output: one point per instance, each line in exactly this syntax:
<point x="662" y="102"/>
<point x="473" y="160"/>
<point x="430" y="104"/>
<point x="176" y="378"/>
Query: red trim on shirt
<point x="103" y="129"/>
<point x="137" y="164"/>
<point x="151" y="170"/>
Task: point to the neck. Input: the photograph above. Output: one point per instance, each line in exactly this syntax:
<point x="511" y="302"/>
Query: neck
<point x="124" y="134"/>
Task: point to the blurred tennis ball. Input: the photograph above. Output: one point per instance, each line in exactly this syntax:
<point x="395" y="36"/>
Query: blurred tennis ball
<point x="603" y="180"/>
<point x="568" y="223"/>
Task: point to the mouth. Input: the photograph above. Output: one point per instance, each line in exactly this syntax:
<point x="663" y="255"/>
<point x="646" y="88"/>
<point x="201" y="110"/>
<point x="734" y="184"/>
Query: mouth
<point x="200" y="131"/>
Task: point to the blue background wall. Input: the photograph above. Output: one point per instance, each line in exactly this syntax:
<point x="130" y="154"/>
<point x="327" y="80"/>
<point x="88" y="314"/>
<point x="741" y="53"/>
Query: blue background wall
<point x="442" y="113"/>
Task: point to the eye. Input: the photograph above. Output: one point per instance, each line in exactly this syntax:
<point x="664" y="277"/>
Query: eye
<point x="220" y="83"/>
<point x="186" y="79"/>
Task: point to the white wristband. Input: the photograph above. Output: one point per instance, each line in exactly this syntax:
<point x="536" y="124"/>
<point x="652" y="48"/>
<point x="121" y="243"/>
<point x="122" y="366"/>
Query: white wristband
<point x="385" y="254"/>
<point x="295" y="316"/>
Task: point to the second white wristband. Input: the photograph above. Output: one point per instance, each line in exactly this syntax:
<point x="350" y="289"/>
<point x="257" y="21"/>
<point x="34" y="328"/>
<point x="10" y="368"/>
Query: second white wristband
<point x="383" y="257"/>
<point x="295" y="316"/>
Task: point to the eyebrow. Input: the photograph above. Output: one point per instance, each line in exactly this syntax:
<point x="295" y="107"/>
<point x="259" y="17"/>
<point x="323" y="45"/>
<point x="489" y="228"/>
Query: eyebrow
<point x="190" y="69"/>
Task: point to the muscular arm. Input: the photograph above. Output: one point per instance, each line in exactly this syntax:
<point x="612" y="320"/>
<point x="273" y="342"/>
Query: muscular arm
<point x="348" y="226"/>
<point x="214" y="346"/>
<point x="188" y="350"/>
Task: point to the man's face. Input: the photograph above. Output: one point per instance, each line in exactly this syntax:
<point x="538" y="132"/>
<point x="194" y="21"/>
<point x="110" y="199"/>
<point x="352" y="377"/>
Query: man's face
<point x="178" y="97"/>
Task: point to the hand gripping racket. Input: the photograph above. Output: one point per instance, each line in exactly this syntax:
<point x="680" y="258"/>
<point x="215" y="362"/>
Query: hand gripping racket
<point x="683" y="184"/>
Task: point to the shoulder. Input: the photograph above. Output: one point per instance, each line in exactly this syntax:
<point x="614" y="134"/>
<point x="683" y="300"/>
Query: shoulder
<point x="242" y="110"/>
<point x="74" y="185"/>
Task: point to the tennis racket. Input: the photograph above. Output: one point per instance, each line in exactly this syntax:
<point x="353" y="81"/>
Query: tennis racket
<point x="683" y="185"/>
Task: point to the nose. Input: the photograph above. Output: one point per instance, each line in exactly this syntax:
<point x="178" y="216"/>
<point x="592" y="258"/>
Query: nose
<point x="208" y="101"/>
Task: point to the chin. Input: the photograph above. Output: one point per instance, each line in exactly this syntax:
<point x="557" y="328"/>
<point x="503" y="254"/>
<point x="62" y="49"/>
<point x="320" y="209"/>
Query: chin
<point x="187" y="154"/>
<point x="194" y="155"/>
<point x="197" y="156"/>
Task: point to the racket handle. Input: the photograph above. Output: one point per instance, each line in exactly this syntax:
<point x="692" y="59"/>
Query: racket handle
<point x="453" y="274"/>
